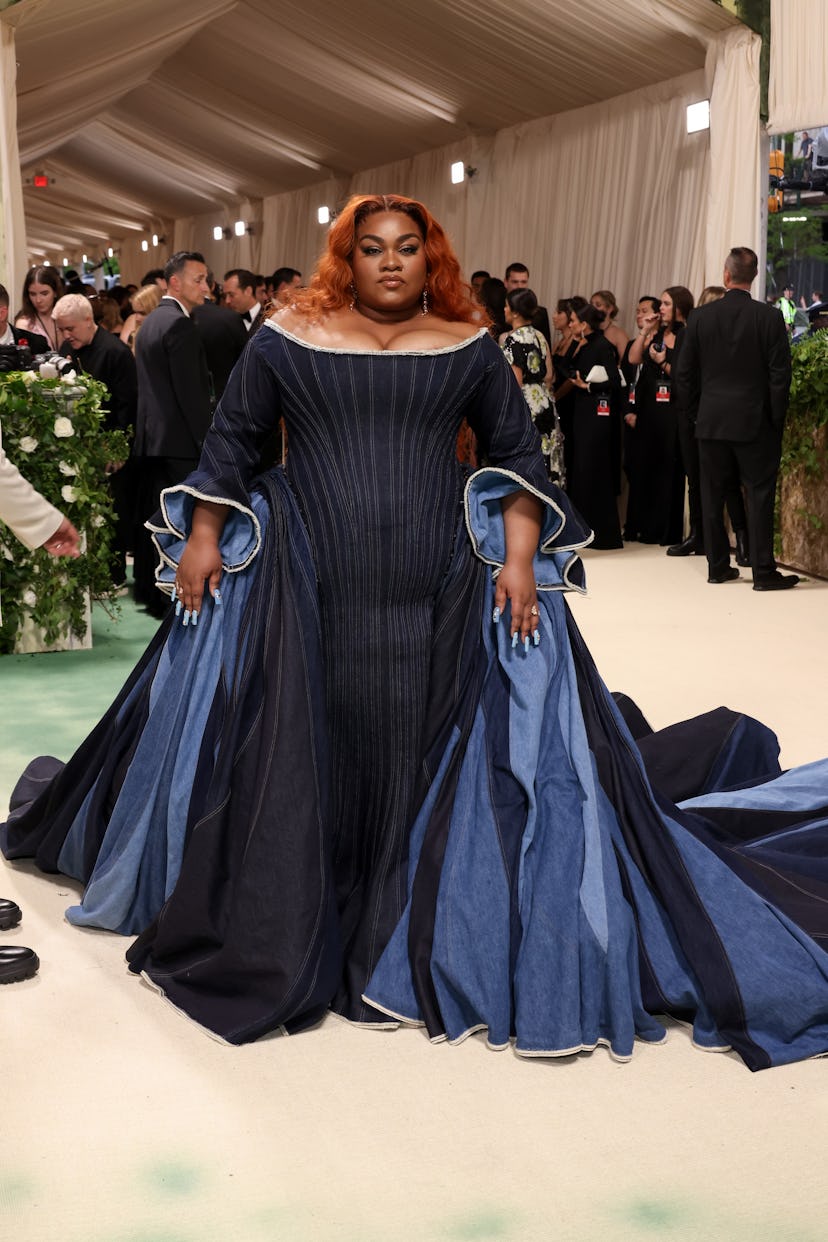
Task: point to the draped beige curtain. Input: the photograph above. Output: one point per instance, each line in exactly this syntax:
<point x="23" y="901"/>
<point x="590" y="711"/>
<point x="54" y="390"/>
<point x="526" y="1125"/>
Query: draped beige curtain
<point x="13" y="262"/>
<point x="797" y="91"/>
<point x="738" y="187"/>
<point x="612" y="195"/>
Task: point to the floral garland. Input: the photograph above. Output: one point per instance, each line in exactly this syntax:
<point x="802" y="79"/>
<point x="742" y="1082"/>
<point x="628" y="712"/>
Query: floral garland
<point x="52" y="431"/>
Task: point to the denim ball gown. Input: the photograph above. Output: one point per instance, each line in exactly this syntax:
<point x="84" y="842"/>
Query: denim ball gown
<point x="345" y="789"/>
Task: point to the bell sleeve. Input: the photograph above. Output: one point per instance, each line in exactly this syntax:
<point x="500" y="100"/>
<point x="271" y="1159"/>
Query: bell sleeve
<point x="249" y="409"/>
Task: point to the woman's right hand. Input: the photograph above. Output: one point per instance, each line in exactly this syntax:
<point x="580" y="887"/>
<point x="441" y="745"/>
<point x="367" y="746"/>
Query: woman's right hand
<point x="200" y="563"/>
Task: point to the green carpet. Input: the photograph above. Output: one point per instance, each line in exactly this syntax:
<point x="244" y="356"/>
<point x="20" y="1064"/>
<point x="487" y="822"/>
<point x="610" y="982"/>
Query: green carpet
<point x="50" y="701"/>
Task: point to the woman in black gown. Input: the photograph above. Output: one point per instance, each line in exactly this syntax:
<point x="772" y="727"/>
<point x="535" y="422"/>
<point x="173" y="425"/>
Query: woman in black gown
<point x="655" y="505"/>
<point x="592" y="485"/>
<point x="368" y="764"/>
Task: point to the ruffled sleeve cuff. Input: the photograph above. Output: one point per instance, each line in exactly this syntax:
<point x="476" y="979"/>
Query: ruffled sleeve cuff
<point x="563" y="532"/>
<point x="170" y="527"/>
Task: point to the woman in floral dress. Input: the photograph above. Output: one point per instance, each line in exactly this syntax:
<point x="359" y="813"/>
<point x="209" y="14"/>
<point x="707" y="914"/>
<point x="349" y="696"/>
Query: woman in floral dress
<point x="528" y="355"/>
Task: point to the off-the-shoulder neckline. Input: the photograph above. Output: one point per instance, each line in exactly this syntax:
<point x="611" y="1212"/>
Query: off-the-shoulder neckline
<point x="373" y="353"/>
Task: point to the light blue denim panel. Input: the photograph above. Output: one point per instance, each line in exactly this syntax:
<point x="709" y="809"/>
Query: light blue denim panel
<point x="140" y="856"/>
<point x="801" y="788"/>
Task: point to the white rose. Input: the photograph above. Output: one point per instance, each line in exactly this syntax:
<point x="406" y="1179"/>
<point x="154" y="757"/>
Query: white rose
<point x="28" y="444"/>
<point x="64" y="428"/>
<point x="48" y="370"/>
<point x="29" y="377"/>
<point x="68" y="493"/>
<point x="98" y="520"/>
<point x="29" y="599"/>
<point x="65" y="468"/>
<point x="68" y="377"/>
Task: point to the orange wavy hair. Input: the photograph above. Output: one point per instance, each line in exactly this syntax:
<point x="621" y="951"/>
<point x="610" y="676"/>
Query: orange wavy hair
<point x="330" y="287"/>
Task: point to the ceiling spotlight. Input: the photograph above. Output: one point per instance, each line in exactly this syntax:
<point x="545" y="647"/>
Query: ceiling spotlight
<point x="85" y="259"/>
<point x="698" y="116"/>
<point x="110" y="254"/>
<point x="65" y="262"/>
<point x="458" y="172"/>
<point x="155" y="239"/>
<point x="323" y="215"/>
<point x="145" y="245"/>
<point x="240" y="228"/>
<point x="218" y="233"/>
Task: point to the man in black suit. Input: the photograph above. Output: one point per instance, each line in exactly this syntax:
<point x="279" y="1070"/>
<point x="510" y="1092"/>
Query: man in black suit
<point x="239" y="290"/>
<point x="517" y="277"/>
<point x="223" y="336"/>
<point x="735" y="373"/>
<point x="10" y="335"/>
<point x="174" y="408"/>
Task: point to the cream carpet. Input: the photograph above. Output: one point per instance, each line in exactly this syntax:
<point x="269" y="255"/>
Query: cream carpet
<point x="123" y="1122"/>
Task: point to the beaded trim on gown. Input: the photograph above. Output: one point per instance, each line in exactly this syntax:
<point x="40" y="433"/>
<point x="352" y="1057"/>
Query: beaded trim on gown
<point x="345" y="789"/>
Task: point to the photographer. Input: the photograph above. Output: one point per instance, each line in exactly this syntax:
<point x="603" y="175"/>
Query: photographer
<point x="17" y="339"/>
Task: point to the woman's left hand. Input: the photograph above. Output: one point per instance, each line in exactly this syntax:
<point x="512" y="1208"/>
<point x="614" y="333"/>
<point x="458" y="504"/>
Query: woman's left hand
<point x="516" y="584"/>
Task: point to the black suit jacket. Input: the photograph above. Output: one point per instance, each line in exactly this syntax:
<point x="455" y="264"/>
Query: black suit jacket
<point x="174" y="410"/>
<point x="36" y="343"/>
<point x="108" y="359"/>
<point x="734" y="371"/>
<point x="224" y="336"/>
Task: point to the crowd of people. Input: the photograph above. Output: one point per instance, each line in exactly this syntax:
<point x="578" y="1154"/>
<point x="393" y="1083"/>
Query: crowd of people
<point x="606" y="403"/>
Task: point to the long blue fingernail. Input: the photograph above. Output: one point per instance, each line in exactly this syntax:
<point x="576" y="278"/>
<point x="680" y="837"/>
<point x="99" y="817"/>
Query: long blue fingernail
<point x="172" y="597"/>
<point x="178" y="608"/>
<point x="217" y="595"/>
<point x="526" y="643"/>
<point x="186" y="620"/>
<point x="536" y="638"/>
<point x="496" y="615"/>
<point x="194" y="619"/>
<point x="515" y="638"/>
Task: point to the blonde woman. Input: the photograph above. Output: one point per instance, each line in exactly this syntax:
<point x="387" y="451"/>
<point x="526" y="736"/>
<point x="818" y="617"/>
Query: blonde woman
<point x="143" y="303"/>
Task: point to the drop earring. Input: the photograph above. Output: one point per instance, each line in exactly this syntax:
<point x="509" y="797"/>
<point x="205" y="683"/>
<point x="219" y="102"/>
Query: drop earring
<point x="353" y="303"/>
<point x="425" y="299"/>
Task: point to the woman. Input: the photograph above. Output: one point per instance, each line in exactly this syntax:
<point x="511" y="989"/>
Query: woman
<point x="144" y="301"/>
<point x="528" y="355"/>
<point x="365" y="772"/>
<point x="41" y="289"/>
<point x="655" y="504"/>
<point x="492" y="298"/>
<point x="604" y="301"/>
<point x="563" y="352"/>
<point x="592" y="480"/>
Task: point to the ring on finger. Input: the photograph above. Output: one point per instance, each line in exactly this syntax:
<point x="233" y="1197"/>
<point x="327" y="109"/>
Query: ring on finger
<point x="533" y="611"/>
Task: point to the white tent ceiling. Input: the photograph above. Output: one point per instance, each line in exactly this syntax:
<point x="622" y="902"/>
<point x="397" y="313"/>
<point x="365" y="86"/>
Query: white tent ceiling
<point x="143" y="113"/>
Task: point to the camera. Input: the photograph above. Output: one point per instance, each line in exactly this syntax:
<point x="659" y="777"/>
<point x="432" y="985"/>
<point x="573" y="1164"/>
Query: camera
<point x="15" y="358"/>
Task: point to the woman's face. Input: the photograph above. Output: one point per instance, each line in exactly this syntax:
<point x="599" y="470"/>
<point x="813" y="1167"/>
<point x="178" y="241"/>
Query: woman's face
<point x="642" y="313"/>
<point x="601" y="305"/>
<point x="389" y="265"/>
<point x="42" y="297"/>
<point x="559" y="320"/>
<point x="666" y="309"/>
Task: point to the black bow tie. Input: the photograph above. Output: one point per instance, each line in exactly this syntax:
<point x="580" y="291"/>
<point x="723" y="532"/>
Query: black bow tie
<point x="248" y="316"/>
